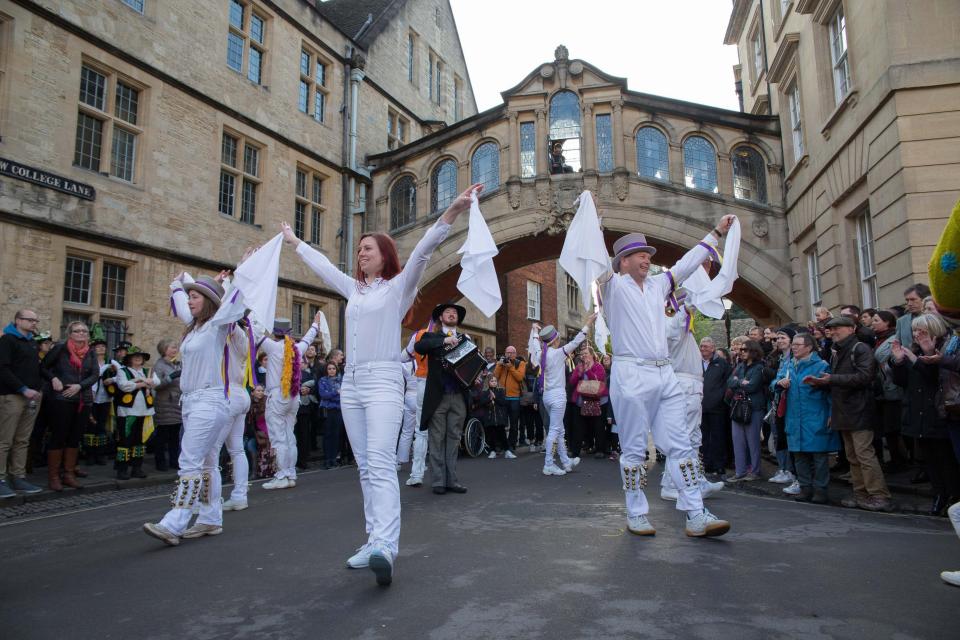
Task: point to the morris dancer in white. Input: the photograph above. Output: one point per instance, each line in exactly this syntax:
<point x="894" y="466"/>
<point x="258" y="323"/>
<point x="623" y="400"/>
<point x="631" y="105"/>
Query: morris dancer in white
<point x="644" y="389"/>
<point x="553" y="379"/>
<point x="283" y="398"/>
<point x="204" y="403"/>
<point x="372" y="395"/>
<point x="420" y="438"/>
<point x="687" y="364"/>
<point x="410" y="408"/>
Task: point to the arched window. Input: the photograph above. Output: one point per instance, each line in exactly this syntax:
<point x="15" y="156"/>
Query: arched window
<point x="749" y="179"/>
<point x="403" y="202"/>
<point x="443" y="186"/>
<point x="700" y="164"/>
<point x="653" y="159"/>
<point x="485" y="166"/>
<point x="565" y="129"/>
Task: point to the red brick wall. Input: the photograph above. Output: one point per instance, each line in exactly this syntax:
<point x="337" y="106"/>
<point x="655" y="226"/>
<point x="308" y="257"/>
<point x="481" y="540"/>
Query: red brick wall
<point x="513" y="326"/>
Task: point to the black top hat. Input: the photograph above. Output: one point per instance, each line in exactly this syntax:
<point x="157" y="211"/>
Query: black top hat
<point x="437" y="310"/>
<point x="123" y="344"/>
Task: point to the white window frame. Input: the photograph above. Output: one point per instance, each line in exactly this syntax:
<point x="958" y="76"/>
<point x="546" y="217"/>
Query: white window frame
<point x="867" y="261"/>
<point x="838" y="55"/>
<point x="573" y="295"/>
<point x="796" y="118"/>
<point x="93" y="310"/>
<point x="813" y="277"/>
<point x="111" y="122"/>
<point x="756" y="54"/>
<point x="533" y="300"/>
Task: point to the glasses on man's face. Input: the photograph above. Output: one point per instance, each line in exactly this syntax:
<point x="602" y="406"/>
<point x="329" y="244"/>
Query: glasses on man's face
<point x="30" y="319"/>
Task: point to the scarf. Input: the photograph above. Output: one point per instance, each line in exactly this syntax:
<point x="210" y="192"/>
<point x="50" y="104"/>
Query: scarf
<point x="881" y="337"/>
<point x="77" y="353"/>
<point x="290" y="376"/>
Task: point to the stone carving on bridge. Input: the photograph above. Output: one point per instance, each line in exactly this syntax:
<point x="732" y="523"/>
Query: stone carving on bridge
<point x="543" y="192"/>
<point x="621" y="185"/>
<point x="513" y="193"/>
<point x="760" y="228"/>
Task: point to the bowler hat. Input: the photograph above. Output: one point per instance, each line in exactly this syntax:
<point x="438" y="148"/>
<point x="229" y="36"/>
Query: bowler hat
<point x="548" y="334"/>
<point x="282" y="326"/>
<point x="208" y="288"/>
<point x="440" y="308"/>
<point x="630" y="243"/>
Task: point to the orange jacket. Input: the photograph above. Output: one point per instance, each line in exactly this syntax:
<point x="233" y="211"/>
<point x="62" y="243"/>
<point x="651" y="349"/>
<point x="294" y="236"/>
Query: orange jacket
<point x="421" y="360"/>
<point x="510" y="378"/>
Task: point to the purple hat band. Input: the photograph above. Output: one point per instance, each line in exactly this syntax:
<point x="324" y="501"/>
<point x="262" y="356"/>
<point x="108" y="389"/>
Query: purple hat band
<point x="634" y="245"/>
<point x="550" y="338"/>
<point x="201" y="283"/>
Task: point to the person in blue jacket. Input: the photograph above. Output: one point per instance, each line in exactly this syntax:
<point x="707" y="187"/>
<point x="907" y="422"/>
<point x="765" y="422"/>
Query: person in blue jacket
<point x="809" y="436"/>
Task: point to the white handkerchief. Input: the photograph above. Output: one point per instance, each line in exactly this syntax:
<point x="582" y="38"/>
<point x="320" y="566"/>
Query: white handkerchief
<point x="705" y="294"/>
<point x="254" y="287"/>
<point x="584" y="254"/>
<point x="600" y="331"/>
<point x="534" y="347"/>
<point x="478" y="278"/>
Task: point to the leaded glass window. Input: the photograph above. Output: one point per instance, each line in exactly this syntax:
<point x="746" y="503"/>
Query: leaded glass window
<point x="565" y="128"/>
<point x="403" y="202"/>
<point x="653" y="154"/>
<point x="89" y="142"/>
<point x="604" y="143"/>
<point x="443" y="186"/>
<point x="124" y="154"/>
<point x="700" y="164"/>
<point x="93" y="88"/>
<point x="528" y="150"/>
<point x="113" y="286"/>
<point x="127" y="103"/>
<point x="485" y="166"/>
<point x="749" y="176"/>
<point x="77" y="280"/>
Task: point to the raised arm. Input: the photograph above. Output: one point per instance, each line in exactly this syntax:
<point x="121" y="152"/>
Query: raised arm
<point x="571" y="346"/>
<point x="696" y="256"/>
<point x="409" y="278"/>
<point x="178" y="300"/>
<point x="310" y="335"/>
<point x="319" y="263"/>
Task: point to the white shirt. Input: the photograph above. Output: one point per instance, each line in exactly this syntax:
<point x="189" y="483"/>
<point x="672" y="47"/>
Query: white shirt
<point x="635" y="316"/>
<point x="374" y="311"/>
<point x="100" y="395"/>
<point x="201" y="352"/>
<point x="274" y="350"/>
<point x="555" y="374"/>
<point x="682" y="345"/>
<point x="129" y="385"/>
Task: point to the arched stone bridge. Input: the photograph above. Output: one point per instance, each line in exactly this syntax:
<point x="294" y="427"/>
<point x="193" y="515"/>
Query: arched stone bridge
<point x="665" y="167"/>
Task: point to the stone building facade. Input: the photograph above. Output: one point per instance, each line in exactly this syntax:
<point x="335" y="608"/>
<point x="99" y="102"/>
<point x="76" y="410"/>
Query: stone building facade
<point x="141" y="138"/>
<point x="663" y="166"/>
<point x="868" y="97"/>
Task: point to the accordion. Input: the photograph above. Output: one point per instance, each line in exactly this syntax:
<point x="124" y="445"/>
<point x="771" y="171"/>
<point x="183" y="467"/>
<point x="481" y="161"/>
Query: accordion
<point x="464" y="361"/>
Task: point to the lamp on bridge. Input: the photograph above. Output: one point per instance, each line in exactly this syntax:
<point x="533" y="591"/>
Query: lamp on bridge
<point x="727" y="304"/>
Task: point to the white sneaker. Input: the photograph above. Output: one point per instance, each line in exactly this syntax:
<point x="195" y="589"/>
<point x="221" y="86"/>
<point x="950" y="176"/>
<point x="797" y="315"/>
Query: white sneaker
<point x="381" y="563"/>
<point x="361" y="559"/>
<point x="708" y="488"/>
<point x="706" y="525"/>
<point x="570" y="466"/>
<point x="782" y="477"/>
<point x="414" y="481"/>
<point x="161" y="533"/>
<point x="793" y="489"/>
<point x="951" y="577"/>
<point x="276" y="483"/>
<point x="553" y="470"/>
<point x="640" y="526"/>
<point x="234" y="505"/>
<point x="201" y="529"/>
<point x="509" y="455"/>
<point x="493" y="455"/>
<point x="669" y="494"/>
<point x="533" y="448"/>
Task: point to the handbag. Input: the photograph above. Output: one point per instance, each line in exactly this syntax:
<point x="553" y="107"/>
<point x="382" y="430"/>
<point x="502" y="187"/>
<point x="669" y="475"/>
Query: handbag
<point x="527" y="397"/>
<point x="948" y="405"/>
<point x="590" y="408"/>
<point x="741" y="409"/>
<point x="591" y="388"/>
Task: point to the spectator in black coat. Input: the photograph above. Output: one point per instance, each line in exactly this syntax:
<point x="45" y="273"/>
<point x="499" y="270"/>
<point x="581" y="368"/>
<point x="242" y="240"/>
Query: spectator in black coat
<point x="714" y="424"/>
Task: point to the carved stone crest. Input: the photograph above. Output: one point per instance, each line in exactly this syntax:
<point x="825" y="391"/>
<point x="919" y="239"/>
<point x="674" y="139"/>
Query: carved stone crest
<point x="760" y="228"/>
<point x="561" y="53"/>
<point x="620" y="185"/>
<point x="513" y="194"/>
<point x="564" y="195"/>
<point x="543" y="192"/>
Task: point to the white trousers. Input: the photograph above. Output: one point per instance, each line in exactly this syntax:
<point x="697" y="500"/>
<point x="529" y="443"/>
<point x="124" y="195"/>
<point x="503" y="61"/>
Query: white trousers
<point x="555" y="400"/>
<point x="204" y="413"/>
<point x="649" y="398"/>
<point x="420" y="438"/>
<point x="410" y="413"/>
<point x="281" y="417"/>
<point x="232" y="436"/>
<point x="692" y="387"/>
<point x="371" y="400"/>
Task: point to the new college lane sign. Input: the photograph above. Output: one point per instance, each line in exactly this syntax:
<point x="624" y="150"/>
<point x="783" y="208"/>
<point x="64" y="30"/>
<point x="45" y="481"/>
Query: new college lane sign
<point x="45" y="179"/>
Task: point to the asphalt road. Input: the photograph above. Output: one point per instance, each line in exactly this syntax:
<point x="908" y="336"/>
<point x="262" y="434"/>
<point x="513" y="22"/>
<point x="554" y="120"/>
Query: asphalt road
<point x="519" y="556"/>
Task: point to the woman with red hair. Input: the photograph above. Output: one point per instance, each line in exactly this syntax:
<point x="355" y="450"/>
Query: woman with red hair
<point x="371" y="398"/>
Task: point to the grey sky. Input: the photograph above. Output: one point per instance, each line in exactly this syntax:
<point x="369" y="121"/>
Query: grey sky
<point x="672" y="48"/>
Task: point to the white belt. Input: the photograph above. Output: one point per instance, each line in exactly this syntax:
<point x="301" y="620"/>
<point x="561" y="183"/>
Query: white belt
<point x="643" y="362"/>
